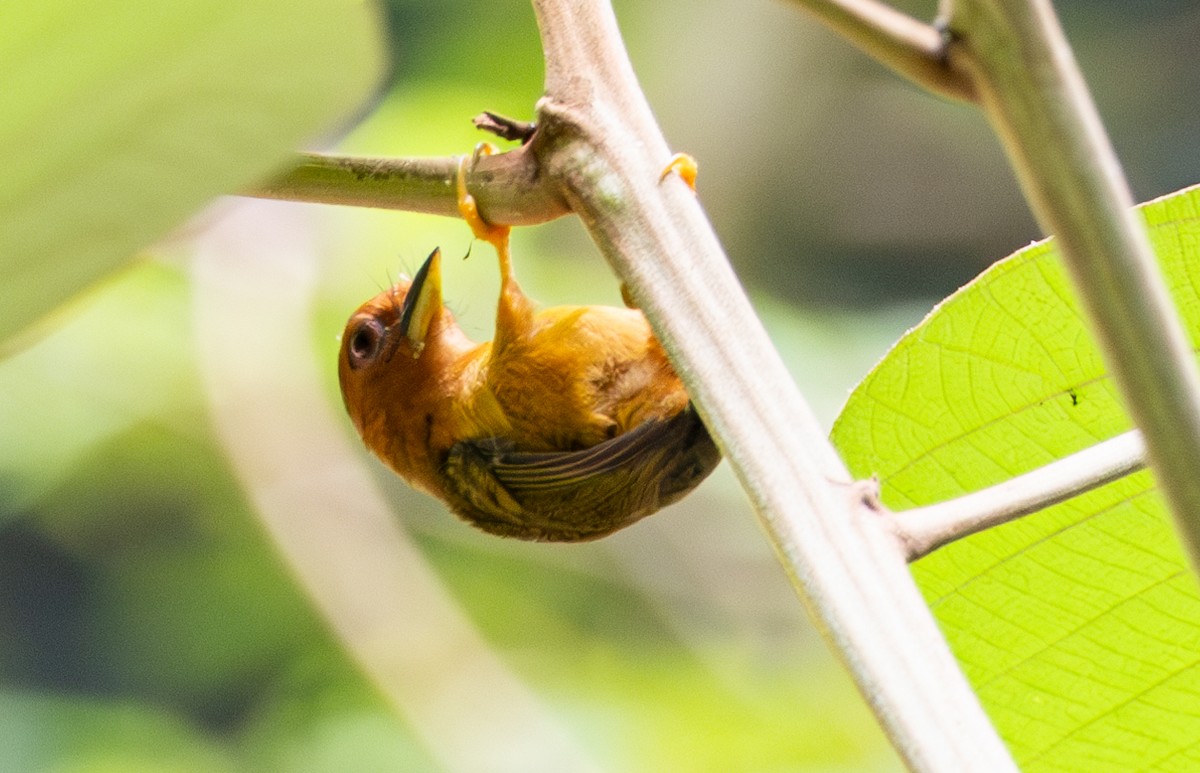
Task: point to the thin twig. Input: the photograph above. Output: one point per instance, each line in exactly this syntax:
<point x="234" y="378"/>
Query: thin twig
<point x="602" y="141"/>
<point x="1033" y="93"/>
<point x="507" y="186"/>
<point x="912" y="48"/>
<point x="924" y="529"/>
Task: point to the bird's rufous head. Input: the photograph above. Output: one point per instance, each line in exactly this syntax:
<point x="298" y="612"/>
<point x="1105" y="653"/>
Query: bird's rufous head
<point x="390" y="343"/>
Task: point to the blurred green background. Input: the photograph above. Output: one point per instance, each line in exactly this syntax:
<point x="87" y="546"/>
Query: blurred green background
<point x="148" y="622"/>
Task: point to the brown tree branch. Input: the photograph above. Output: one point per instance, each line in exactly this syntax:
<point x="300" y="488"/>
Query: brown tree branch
<point x="601" y="141"/>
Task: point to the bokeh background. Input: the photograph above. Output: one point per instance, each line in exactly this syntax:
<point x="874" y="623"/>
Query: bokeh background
<point x="153" y="440"/>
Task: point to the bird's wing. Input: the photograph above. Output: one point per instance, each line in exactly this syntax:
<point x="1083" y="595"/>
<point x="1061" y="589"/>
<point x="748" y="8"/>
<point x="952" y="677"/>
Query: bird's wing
<point x="520" y="471"/>
<point x="564" y="495"/>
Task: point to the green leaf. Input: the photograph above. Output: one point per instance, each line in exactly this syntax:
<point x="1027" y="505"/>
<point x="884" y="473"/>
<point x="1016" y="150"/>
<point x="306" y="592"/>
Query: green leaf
<point x="1078" y="626"/>
<point x="121" y="118"/>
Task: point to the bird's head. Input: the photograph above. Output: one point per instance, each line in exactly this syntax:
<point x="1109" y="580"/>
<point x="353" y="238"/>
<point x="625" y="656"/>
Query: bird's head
<point x="395" y="342"/>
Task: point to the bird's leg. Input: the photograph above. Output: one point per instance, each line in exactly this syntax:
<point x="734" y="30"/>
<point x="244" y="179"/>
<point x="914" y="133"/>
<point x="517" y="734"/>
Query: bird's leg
<point x="495" y="235"/>
<point x="686" y="167"/>
<point x="514" y="311"/>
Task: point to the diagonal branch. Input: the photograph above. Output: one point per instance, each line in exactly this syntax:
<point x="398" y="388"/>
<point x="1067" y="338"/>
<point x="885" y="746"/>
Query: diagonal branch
<point x="601" y="140"/>
<point x="912" y="48"/>
<point x="1035" y="96"/>
<point x="1012" y="58"/>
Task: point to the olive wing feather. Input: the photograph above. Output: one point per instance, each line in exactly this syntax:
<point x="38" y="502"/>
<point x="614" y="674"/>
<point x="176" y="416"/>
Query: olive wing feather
<point x="578" y="495"/>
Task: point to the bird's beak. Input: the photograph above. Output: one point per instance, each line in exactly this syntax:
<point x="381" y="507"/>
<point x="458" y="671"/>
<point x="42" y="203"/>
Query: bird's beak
<point x="423" y="302"/>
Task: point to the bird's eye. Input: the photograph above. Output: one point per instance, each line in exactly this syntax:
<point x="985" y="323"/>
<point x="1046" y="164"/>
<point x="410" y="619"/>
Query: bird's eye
<point x="366" y="340"/>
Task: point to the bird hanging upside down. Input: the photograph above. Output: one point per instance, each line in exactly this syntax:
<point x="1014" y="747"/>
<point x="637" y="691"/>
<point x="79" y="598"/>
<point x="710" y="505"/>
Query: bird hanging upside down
<point x="569" y="425"/>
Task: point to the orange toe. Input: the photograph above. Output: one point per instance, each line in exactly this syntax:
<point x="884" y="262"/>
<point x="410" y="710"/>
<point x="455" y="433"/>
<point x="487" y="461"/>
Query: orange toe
<point x="469" y="208"/>
<point x="683" y="165"/>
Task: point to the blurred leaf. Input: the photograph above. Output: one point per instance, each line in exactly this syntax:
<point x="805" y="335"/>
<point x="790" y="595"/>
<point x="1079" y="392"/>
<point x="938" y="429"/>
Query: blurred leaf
<point x="73" y="735"/>
<point x="123" y="357"/>
<point x="122" y="118"/>
<point x="1078" y="626"/>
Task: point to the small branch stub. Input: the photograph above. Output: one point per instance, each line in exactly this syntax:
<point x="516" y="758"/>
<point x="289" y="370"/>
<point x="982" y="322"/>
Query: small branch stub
<point x="505" y="128"/>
